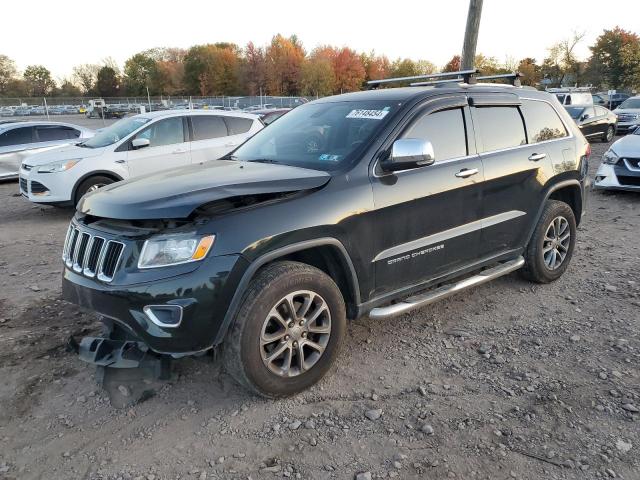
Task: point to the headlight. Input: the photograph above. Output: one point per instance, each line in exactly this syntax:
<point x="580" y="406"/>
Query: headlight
<point x="168" y="250"/>
<point x="58" y="166"/>
<point x="610" y="157"/>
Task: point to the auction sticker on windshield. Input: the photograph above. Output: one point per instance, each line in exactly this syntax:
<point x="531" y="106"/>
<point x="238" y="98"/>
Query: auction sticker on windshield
<point x="370" y="114"/>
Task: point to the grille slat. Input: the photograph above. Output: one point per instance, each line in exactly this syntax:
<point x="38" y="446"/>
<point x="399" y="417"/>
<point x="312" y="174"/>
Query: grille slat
<point x="23" y="185"/>
<point x="91" y="255"/>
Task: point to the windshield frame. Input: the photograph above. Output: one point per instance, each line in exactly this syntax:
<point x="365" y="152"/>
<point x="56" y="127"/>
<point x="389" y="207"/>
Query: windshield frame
<point x="353" y="157"/>
<point x="143" y="122"/>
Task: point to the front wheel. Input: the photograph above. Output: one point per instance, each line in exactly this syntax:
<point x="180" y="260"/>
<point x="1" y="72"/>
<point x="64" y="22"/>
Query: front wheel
<point x="551" y="246"/>
<point x="89" y="185"/>
<point x="288" y="331"/>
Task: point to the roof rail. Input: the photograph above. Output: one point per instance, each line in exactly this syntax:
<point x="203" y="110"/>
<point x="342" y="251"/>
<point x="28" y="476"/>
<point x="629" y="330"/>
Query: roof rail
<point x="464" y="76"/>
<point x="468" y="76"/>
<point x="514" y="77"/>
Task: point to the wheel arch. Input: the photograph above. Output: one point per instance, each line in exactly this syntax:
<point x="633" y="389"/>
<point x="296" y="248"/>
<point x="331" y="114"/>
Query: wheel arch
<point x="105" y="173"/>
<point x="327" y="254"/>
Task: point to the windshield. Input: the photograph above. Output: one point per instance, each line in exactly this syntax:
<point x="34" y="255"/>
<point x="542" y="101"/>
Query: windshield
<point x="630" y="103"/>
<point x="575" y="112"/>
<point x="115" y="132"/>
<point x="321" y="136"/>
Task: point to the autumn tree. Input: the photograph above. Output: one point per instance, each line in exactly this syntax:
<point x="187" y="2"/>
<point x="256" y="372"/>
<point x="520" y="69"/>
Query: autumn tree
<point x="562" y="61"/>
<point x="212" y="69"/>
<point x="284" y="58"/>
<point x="8" y="72"/>
<point x="453" y="65"/>
<point x="616" y="55"/>
<point x="318" y="78"/>
<point x="85" y="76"/>
<point x="107" y="82"/>
<point x="254" y="73"/>
<point x="530" y="71"/>
<point x="375" y="67"/>
<point x="348" y="71"/>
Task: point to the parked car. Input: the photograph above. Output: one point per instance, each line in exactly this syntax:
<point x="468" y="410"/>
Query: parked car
<point x="613" y="101"/>
<point x="19" y="139"/>
<point x="133" y="147"/>
<point x="628" y="115"/>
<point x="270" y="115"/>
<point x="572" y="96"/>
<point x="412" y="194"/>
<point x="620" y="167"/>
<point x="595" y="122"/>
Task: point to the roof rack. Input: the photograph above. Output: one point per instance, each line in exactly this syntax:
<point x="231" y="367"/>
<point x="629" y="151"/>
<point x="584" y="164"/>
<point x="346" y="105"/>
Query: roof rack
<point x="464" y="76"/>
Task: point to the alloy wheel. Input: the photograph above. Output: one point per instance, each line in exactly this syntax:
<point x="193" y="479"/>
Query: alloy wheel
<point x="555" y="245"/>
<point x="295" y="333"/>
<point x="95" y="187"/>
<point x="609" y="134"/>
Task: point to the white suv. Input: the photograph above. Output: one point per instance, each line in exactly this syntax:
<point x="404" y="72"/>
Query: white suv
<point x="131" y="147"/>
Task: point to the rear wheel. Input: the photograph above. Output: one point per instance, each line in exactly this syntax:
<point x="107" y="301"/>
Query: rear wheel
<point x="288" y="331"/>
<point x="551" y="246"/>
<point x="91" y="184"/>
<point x="608" y="135"/>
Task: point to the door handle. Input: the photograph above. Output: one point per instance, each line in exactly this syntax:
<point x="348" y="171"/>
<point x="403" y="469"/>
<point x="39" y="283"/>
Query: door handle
<point x="535" y="157"/>
<point x="467" y="172"/>
<point x="179" y="150"/>
<point x="119" y="161"/>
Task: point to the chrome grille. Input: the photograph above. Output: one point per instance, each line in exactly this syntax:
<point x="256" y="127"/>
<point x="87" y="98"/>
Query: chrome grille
<point x="627" y="117"/>
<point x="91" y="255"/>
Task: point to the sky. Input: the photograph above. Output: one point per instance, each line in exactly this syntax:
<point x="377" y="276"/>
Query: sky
<point x="63" y="33"/>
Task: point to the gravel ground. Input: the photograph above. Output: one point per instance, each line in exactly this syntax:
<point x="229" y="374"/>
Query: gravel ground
<point x="509" y="380"/>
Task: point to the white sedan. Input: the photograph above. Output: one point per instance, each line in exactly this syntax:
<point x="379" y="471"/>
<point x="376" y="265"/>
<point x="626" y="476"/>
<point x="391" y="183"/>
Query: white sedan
<point x="620" y="168"/>
<point x="131" y="147"/>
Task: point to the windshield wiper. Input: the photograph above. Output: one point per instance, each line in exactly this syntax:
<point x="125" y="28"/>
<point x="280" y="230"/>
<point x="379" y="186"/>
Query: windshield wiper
<point x="263" y="160"/>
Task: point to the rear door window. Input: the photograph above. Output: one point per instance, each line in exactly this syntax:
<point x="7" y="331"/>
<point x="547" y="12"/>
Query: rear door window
<point x="500" y="127"/>
<point x="16" y="136"/>
<point x="445" y="130"/>
<point x="53" y="133"/>
<point x="237" y="125"/>
<point x="208" y="126"/>
<point x="543" y="123"/>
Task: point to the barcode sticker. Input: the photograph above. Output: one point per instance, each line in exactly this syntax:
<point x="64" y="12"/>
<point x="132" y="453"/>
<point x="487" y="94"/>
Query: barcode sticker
<point x="370" y="114"/>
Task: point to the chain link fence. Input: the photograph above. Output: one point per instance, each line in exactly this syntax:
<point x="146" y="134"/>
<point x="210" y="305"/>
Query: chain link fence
<point x="24" y="107"/>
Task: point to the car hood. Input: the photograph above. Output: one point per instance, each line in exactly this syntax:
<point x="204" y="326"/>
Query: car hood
<point x="178" y="192"/>
<point x="618" y="111"/>
<point x="62" y="153"/>
<point x="627" y="146"/>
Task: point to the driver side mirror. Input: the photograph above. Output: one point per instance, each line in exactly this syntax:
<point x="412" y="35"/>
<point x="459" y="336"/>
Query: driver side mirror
<point x="137" y="143"/>
<point x="409" y="153"/>
<point x="584" y="117"/>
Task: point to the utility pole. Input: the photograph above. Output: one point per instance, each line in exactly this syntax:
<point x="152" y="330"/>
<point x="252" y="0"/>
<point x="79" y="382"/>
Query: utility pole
<point x="471" y="35"/>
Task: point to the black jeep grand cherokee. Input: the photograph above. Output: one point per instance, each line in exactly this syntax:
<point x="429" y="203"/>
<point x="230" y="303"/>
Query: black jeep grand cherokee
<point x="373" y="202"/>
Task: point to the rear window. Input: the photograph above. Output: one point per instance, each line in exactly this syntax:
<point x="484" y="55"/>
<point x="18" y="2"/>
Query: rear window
<point x="543" y="123"/>
<point x="208" y="126"/>
<point x="500" y="127"/>
<point x="50" y="134"/>
<point x="237" y="125"/>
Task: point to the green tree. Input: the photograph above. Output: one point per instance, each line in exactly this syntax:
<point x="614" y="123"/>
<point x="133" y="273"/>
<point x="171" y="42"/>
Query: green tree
<point x="139" y="72"/>
<point x="107" y="82"/>
<point x="562" y="63"/>
<point x="8" y="72"/>
<point x="317" y="76"/>
<point x="68" y="89"/>
<point x="38" y="80"/>
<point x="616" y="54"/>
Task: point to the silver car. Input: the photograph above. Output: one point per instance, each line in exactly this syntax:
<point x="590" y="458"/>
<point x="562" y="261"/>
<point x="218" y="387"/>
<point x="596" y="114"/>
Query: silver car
<point x="21" y="139"/>
<point x="620" y="168"/>
<point x="628" y="115"/>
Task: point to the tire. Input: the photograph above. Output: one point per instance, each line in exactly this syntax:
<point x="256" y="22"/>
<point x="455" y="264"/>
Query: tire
<point x="90" y="183"/>
<point x="609" y="134"/>
<point x="540" y="265"/>
<point x="244" y="351"/>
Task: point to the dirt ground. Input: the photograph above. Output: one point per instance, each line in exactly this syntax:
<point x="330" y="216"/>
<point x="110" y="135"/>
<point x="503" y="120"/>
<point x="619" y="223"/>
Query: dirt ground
<point x="509" y="380"/>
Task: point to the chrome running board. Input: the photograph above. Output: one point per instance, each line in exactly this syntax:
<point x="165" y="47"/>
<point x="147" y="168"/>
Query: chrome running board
<point x="422" y="299"/>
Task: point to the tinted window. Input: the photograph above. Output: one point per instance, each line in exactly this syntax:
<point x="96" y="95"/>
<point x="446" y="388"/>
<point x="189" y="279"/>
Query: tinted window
<point x="16" y="136"/>
<point x="238" y="125"/>
<point x="50" y="134"/>
<point x="208" y="126"/>
<point x="164" y="132"/>
<point x="445" y="130"/>
<point x="542" y="121"/>
<point x="500" y="127"/>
